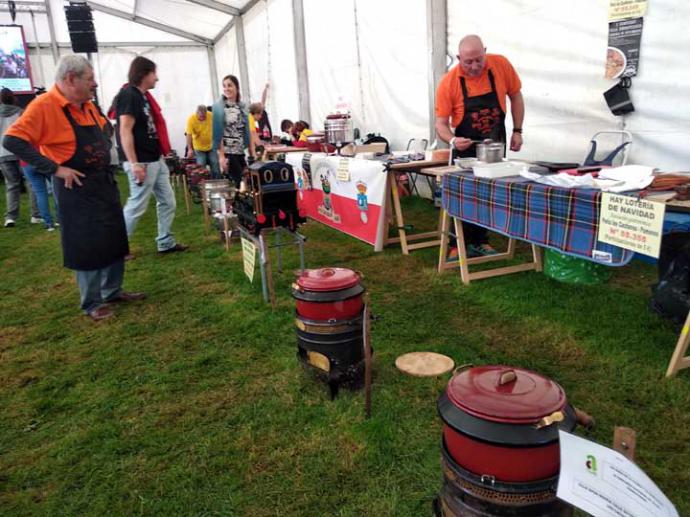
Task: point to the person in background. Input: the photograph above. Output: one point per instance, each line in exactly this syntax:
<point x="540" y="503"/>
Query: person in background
<point x="40" y="186"/>
<point x="471" y="98"/>
<point x="231" y="130"/>
<point x="61" y="134"/>
<point x="143" y="141"/>
<point x="300" y="132"/>
<point x="286" y="136"/>
<point x="9" y="164"/>
<point x="256" y="111"/>
<point x="199" y="144"/>
<point x="264" y="125"/>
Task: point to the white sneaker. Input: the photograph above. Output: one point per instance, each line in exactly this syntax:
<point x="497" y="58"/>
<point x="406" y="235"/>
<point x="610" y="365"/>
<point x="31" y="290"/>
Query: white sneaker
<point x="37" y="220"/>
<point x="9" y="223"/>
<point x="50" y="228"/>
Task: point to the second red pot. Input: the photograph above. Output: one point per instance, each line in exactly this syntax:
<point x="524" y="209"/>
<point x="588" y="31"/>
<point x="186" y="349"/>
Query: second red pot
<point x="328" y="294"/>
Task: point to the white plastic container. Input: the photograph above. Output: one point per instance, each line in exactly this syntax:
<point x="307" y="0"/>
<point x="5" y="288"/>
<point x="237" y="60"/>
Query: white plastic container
<point x="497" y="170"/>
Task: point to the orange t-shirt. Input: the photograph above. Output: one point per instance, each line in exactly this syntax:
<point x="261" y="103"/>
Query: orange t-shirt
<point x="45" y="126"/>
<point x="449" y="101"/>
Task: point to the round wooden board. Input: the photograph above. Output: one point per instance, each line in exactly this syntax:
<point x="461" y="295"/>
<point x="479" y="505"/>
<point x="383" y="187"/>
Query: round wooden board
<point x="424" y="364"/>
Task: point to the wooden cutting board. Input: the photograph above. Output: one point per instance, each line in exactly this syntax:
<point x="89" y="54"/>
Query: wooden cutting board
<point x="424" y="364"/>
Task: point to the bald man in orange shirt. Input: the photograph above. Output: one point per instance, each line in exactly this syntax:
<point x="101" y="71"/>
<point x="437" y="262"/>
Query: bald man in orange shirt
<point x="471" y="106"/>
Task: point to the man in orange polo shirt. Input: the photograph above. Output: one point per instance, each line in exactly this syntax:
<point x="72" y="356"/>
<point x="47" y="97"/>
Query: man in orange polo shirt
<point x="61" y="134"/>
<point x="471" y="106"/>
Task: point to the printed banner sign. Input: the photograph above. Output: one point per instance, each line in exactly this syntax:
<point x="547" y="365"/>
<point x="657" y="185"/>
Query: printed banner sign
<point x="605" y="483"/>
<point x="625" y="9"/>
<point x="631" y="223"/>
<point x="347" y="194"/>
<point x="623" y="53"/>
<point x="249" y="257"/>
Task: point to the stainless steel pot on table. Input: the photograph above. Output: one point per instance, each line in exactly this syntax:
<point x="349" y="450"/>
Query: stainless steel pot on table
<point x="490" y="152"/>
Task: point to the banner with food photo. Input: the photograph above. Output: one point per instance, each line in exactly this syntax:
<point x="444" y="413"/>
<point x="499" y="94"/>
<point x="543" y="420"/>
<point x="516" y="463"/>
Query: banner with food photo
<point x="623" y="53"/>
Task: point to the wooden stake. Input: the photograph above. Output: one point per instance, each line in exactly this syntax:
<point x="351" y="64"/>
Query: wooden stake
<point x="624" y="441"/>
<point x="186" y="192"/>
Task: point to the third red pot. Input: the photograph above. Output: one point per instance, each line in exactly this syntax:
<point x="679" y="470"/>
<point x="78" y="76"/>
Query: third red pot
<point x="503" y="422"/>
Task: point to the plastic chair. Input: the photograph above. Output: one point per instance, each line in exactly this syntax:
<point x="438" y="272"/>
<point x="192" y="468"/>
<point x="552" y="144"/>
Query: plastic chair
<point x="417" y="145"/>
<point x="621" y="150"/>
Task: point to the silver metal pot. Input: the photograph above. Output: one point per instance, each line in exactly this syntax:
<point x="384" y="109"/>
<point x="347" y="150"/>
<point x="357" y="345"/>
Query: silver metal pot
<point x="218" y="199"/>
<point x="211" y="186"/>
<point x="490" y="152"/>
<point x="339" y="130"/>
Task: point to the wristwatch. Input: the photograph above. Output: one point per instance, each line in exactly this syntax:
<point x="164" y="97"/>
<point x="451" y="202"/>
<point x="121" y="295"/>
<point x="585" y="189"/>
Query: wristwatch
<point x="517" y="130"/>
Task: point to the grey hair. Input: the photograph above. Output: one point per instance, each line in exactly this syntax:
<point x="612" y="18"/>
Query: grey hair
<point x="74" y="64"/>
<point x="201" y="108"/>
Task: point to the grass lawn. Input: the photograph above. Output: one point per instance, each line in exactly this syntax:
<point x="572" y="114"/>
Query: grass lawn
<point x="193" y="403"/>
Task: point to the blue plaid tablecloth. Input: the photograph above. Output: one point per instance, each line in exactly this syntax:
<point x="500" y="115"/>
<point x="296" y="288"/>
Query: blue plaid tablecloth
<point x="563" y="219"/>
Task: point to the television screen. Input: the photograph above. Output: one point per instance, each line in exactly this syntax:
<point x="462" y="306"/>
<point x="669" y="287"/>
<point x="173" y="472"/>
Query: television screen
<point x="15" y="72"/>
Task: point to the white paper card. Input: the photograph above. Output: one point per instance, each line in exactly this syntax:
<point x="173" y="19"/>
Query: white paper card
<point x="605" y="483"/>
<point x="249" y="258"/>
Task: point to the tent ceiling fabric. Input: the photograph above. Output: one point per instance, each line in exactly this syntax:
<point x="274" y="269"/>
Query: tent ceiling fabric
<point x="191" y="16"/>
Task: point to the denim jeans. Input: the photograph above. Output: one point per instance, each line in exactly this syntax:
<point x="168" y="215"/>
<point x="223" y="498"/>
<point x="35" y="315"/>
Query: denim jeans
<point x="39" y="184"/>
<point x="98" y="286"/>
<point x="157" y="182"/>
<point x="13" y="182"/>
<point x="210" y="158"/>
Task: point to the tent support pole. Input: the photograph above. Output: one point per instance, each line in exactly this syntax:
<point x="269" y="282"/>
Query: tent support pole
<point x="437" y="41"/>
<point x="242" y="54"/>
<point x="51" y="29"/>
<point x="301" y="59"/>
<point x="38" y="51"/>
<point x="213" y="71"/>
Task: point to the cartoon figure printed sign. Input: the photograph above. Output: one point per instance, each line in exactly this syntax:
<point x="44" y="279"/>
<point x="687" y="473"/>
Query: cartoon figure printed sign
<point x="326" y="209"/>
<point x="353" y="203"/>
<point x="362" y="202"/>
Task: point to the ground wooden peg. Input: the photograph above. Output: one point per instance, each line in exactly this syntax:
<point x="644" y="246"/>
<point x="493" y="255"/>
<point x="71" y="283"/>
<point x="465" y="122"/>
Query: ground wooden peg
<point x="624" y="441"/>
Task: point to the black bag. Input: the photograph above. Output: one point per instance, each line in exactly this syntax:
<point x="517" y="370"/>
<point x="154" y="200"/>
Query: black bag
<point x="618" y="99"/>
<point x="671" y="295"/>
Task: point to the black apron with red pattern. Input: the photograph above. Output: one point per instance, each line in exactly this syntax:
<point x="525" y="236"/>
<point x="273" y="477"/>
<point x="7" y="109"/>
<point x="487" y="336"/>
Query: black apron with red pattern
<point x="93" y="225"/>
<point x="483" y="118"/>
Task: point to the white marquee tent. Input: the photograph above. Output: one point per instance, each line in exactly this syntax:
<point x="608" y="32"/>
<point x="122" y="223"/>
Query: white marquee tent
<point x="384" y="57"/>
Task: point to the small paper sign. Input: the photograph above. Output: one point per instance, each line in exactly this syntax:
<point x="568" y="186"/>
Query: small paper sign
<point x="343" y="172"/>
<point x="249" y="256"/>
<point x="631" y="223"/>
<point x="605" y="483"/>
<point x="624" y="9"/>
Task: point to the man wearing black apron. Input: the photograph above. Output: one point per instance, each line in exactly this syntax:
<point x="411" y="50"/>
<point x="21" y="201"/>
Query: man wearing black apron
<point x="69" y="130"/>
<point x="471" y="97"/>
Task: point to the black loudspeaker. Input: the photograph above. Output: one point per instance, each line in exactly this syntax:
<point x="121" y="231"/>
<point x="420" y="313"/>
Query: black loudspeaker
<point x="80" y="26"/>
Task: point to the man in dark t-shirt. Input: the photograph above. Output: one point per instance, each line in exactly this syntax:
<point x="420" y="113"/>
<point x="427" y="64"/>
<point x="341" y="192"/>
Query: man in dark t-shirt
<point x="139" y="144"/>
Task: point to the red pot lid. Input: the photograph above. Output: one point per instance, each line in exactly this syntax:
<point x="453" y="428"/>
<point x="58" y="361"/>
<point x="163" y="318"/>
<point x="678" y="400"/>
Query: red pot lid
<point x="328" y="279"/>
<point x="505" y="394"/>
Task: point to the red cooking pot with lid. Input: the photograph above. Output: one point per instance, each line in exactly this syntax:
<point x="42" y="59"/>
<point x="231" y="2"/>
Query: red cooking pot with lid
<point x="330" y="293"/>
<point x="503" y="422"/>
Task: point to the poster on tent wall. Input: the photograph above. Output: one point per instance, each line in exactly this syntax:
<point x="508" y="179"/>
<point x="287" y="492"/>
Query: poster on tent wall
<point x="623" y="53"/>
<point x="625" y="35"/>
<point x="347" y="194"/>
<point x="15" y="72"/>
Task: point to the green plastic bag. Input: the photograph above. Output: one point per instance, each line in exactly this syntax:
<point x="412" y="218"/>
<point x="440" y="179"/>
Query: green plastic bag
<point x="572" y="270"/>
